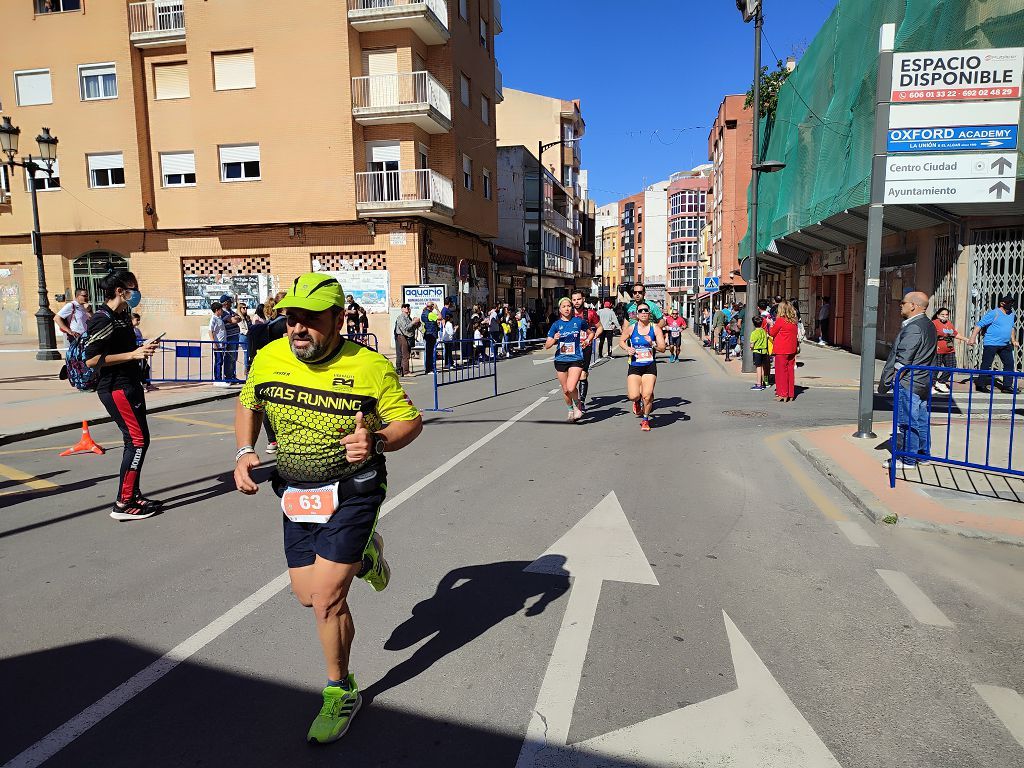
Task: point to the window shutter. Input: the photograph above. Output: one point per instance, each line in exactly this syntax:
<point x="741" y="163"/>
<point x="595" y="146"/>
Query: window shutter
<point x="241" y="153"/>
<point x="234" y="70"/>
<point x="105" y="162"/>
<point x="41" y="173"/>
<point x="171" y="81"/>
<point x="382" y="62"/>
<point x="177" y="162"/>
<point x="384" y="151"/>
<point x="33" y="88"/>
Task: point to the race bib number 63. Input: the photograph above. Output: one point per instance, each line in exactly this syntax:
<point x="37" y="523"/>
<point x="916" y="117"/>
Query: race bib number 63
<point x="310" y="505"/>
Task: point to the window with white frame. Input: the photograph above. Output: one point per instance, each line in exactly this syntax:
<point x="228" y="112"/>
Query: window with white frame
<point x="98" y="81"/>
<point x="467" y="172"/>
<point x="5" y="182"/>
<point x="178" y="169"/>
<point x="234" y="70"/>
<point x="685" y="251"/>
<point x="106" y="170"/>
<point x="464" y="9"/>
<point x="57" y="6"/>
<point x="170" y="81"/>
<point x="44" y="182"/>
<point x="487" y="184"/>
<point x="464" y="89"/>
<point x="239" y="162"/>
<point x="485" y="109"/>
<point x="483" y="33"/>
<point x="33" y="87"/>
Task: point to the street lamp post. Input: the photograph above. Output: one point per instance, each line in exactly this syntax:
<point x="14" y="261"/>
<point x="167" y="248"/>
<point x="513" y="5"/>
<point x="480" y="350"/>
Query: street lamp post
<point x="9" y="136"/>
<point x="541" y="146"/>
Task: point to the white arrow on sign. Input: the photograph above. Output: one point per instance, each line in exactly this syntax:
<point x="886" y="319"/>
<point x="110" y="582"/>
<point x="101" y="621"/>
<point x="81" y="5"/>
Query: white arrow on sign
<point x="756" y="724"/>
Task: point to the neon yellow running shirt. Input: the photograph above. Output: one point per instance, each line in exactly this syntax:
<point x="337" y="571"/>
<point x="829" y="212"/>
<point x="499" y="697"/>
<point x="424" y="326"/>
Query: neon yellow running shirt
<point x="313" y="406"/>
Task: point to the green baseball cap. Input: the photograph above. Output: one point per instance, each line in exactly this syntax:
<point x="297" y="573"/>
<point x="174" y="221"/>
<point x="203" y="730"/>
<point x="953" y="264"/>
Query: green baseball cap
<point x="313" y="291"/>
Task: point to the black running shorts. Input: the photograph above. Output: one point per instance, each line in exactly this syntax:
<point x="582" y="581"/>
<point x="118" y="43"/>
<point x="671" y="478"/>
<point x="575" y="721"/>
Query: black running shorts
<point x="643" y="370"/>
<point x="562" y="366"/>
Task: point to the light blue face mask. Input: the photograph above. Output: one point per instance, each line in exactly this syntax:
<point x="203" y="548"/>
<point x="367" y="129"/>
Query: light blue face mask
<point x="133" y="299"/>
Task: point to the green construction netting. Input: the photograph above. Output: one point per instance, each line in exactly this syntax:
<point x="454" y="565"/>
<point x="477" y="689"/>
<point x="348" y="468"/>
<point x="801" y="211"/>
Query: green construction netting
<point x="823" y="125"/>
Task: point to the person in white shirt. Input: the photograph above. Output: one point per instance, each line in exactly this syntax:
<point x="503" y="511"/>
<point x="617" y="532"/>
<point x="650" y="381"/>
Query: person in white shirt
<point x="824" y="320"/>
<point x="73" y="317"/>
<point x="448" y="338"/>
<point x="219" y="335"/>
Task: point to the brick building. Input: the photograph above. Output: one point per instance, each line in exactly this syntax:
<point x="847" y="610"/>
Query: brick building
<point x="198" y="149"/>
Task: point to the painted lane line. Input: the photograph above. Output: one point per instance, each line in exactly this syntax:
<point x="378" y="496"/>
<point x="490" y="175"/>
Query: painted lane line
<point x="545" y="360"/>
<point x="59" y="448"/>
<point x="23" y="478"/>
<point x="917" y="602"/>
<point x="63" y="735"/>
<point x="1008" y="706"/>
<point x="193" y="422"/>
<point x="60" y="737"/>
<point x="810" y="489"/>
<point x="856" y="535"/>
<point x="555" y="391"/>
<point x="421" y="484"/>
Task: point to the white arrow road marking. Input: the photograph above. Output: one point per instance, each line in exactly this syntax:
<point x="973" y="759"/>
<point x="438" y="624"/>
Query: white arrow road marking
<point x="601" y="547"/>
<point x="755" y="725"/>
<point x="1008" y="706"/>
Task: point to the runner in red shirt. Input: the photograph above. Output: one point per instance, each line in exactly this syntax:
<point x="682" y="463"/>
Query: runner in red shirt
<point x="674" y="327"/>
<point x="593" y="322"/>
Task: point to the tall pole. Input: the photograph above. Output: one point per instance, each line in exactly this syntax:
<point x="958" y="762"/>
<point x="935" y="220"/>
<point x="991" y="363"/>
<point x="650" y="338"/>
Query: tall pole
<point x="44" y="316"/>
<point x="876" y="210"/>
<point x="751" y="308"/>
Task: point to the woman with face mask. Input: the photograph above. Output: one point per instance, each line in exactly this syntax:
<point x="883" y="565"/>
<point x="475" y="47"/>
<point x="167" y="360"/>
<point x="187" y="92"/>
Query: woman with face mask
<point x="112" y="349"/>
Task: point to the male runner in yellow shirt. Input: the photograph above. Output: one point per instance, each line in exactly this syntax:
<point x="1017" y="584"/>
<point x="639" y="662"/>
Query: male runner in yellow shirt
<point x="337" y="407"/>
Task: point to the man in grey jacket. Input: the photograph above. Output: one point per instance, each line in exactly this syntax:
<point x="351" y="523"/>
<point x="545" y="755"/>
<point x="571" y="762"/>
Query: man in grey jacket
<point x="914" y="345"/>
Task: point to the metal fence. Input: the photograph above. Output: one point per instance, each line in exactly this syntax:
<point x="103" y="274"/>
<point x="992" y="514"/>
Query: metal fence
<point x="192" y="361"/>
<point x="461" y="360"/>
<point x="967" y="426"/>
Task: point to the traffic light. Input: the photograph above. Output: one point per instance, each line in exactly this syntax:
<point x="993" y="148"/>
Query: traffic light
<point x="749" y="8"/>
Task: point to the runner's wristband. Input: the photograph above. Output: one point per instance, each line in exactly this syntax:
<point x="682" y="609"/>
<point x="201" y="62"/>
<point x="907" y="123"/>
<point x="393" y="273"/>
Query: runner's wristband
<point x="244" y="450"/>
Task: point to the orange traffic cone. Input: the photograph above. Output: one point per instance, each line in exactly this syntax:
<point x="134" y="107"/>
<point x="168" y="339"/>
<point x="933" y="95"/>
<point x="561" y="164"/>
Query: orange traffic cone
<point x="86" y="444"/>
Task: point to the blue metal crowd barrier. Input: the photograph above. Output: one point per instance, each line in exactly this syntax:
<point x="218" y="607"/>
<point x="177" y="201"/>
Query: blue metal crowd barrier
<point x="194" y="361"/>
<point x="979" y="382"/>
<point x="460" y="360"/>
<point x="366" y="339"/>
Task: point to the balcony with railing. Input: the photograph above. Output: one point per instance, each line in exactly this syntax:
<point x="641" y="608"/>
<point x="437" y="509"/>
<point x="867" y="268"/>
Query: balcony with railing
<point x="389" y="193"/>
<point x="557" y="220"/>
<point x="155" y="23"/>
<point x="427" y="18"/>
<point x="402" y="97"/>
<point x="499" y="87"/>
<point x="496" y="17"/>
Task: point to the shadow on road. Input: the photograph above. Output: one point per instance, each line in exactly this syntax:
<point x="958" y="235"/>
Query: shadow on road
<point x="467" y="603"/>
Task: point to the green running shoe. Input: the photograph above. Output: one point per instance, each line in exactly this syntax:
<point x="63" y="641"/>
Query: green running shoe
<point x="340" y="706"/>
<point x="376" y="571"/>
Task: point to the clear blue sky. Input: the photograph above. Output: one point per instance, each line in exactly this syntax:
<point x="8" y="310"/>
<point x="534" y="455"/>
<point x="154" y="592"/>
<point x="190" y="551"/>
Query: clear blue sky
<point x="650" y="73"/>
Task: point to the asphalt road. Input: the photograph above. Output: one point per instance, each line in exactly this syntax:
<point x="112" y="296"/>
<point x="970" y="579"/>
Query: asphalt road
<point x="719" y="605"/>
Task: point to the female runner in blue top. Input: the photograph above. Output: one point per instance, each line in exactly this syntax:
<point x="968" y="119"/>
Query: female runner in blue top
<point x="571" y="334"/>
<point x="641" y="340"/>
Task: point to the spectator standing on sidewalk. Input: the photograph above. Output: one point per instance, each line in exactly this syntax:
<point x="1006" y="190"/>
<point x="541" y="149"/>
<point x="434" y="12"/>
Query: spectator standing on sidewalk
<point x="915" y="344"/>
<point x="429" y="318"/>
<point x="999" y="326"/>
<point x="718" y="323"/>
<point x="233" y="329"/>
<point x="784" y="334"/>
<point x="946" y="352"/>
<point x="759" y="347"/>
<point x="405" y="339"/>
<point x="73" y="317"/>
<point x="824" y="320"/>
<point x="219" y="335"/>
<point x="610" y="328"/>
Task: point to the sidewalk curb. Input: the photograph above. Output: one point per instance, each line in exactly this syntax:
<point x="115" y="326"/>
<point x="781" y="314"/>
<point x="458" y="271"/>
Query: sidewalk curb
<point x="873" y="508"/>
<point x="28" y="434"/>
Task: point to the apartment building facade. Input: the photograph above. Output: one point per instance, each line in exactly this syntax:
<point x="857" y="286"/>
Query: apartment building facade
<point x="606" y="247"/>
<point x="730" y="147"/>
<point x="643" y="245"/>
<point x="525" y="120"/>
<point x="687" y="214"/>
<point x="228" y="147"/>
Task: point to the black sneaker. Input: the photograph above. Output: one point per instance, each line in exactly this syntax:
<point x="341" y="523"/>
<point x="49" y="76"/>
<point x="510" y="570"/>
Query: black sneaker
<point x="132" y="511"/>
